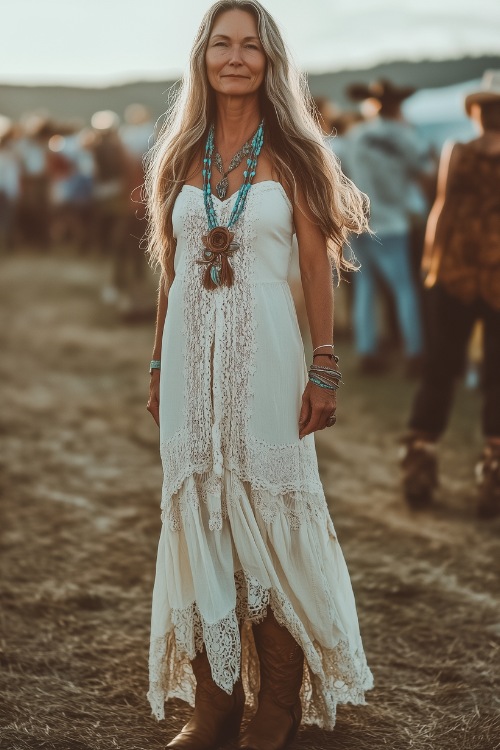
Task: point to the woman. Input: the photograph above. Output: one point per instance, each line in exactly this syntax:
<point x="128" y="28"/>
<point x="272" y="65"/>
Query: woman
<point x="249" y="569"/>
<point x="462" y="267"/>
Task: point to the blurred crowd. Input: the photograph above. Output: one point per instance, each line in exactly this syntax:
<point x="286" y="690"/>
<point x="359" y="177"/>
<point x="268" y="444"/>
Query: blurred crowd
<point x="77" y="184"/>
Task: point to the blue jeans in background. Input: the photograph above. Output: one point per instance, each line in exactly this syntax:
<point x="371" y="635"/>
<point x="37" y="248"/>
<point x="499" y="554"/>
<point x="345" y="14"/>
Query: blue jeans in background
<point x="389" y="257"/>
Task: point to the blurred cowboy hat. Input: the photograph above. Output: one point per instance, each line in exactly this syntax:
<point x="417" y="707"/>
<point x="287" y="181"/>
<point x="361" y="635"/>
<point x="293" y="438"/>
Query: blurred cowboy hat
<point x="489" y="90"/>
<point x="382" y="90"/>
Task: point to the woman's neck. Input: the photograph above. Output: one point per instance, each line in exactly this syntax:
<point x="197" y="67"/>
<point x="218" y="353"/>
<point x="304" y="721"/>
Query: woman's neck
<point x="236" y="121"/>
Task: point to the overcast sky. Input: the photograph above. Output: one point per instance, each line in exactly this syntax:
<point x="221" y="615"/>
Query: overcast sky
<point x="107" y="41"/>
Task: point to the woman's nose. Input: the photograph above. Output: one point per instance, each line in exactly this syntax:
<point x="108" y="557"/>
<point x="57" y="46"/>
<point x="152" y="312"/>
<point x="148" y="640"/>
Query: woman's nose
<point x="235" y="56"/>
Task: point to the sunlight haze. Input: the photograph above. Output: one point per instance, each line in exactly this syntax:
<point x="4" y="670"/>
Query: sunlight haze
<point x="99" y="42"/>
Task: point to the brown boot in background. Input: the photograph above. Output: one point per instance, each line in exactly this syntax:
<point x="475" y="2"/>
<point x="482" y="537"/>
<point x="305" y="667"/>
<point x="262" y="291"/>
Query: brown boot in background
<point x="418" y="462"/>
<point x="217" y="715"/>
<point x="279" y="711"/>
<point x="488" y="479"/>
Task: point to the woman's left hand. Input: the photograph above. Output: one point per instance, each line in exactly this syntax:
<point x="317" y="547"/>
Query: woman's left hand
<point x="318" y="406"/>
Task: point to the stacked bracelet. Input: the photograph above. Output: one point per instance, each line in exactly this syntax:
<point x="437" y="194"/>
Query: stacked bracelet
<point x="325" y="377"/>
<point x="155" y="364"/>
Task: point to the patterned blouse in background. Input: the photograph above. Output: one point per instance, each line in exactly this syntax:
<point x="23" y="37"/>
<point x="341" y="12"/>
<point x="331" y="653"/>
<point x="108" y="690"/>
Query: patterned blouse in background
<point x="467" y="264"/>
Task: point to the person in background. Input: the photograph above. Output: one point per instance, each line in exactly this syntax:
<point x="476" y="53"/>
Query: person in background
<point x="10" y="178"/>
<point x="34" y="209"/>
<point x="70" y="167"/>
<point x="61" y="170"/>
<point x="82" y="189"/>
<point x="110" y="194"/>
<point x="336" y="124"/>
<point x="462" y="266"/>
<point x="137" y="135"/>
<point x="385" y="156"/>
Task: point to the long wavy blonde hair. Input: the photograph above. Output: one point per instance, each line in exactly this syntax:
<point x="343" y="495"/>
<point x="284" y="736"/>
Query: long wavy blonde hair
<point x="292" y="133"/>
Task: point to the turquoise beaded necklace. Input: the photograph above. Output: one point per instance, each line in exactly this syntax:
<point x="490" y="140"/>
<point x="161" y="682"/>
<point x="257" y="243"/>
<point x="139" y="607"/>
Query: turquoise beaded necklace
<point x="219" y="241"/>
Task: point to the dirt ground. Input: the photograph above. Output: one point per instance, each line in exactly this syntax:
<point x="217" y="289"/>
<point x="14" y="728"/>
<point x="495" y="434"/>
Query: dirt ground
<point x="80" y="521"/>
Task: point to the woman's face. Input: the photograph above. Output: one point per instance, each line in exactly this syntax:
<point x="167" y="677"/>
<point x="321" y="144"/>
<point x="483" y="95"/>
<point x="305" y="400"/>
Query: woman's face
<point x="235" y="59"/>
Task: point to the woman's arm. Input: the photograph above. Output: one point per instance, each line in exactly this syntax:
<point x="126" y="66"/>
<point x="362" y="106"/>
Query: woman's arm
<point x="161" y="313"/>
<point x="439" y="217"/>
<point x="153" y="405"/>
<point x="316" y="275"/>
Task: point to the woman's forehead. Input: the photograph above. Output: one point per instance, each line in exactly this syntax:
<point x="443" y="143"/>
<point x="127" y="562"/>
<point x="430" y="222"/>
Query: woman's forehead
<point x="236" y="22"/>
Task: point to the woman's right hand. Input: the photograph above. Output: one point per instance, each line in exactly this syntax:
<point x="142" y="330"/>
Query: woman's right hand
<point x="153" y="405"/>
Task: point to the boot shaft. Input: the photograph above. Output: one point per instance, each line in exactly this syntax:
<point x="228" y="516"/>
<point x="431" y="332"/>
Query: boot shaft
<point x="281" y="662"/>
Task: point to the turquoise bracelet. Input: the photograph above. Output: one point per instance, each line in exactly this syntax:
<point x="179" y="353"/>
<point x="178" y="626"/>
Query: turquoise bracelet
<point x="155" y="364"/>
<point x="322" y="384"/>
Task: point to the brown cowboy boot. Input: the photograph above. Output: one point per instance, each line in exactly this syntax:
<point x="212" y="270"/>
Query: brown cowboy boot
<point x="217" y="715"/>
<point x="418" y="462"/>
<point x="279" y="712"/>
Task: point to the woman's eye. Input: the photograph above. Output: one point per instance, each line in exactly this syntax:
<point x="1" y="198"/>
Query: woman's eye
<point x="250" y="46"/>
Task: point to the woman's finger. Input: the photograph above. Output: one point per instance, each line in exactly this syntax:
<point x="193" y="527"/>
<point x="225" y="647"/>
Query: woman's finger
<point x="312" y="422"/>
<point x="304" y="411"/>
<point x="322" y="407"/>
<point x="319" y="417"/>
<point x="317" y="408"/>
<point x="153" y="408"/>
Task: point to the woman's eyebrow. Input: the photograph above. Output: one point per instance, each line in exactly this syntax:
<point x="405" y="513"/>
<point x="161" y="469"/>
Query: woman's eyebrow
<point x="223" y="36"/>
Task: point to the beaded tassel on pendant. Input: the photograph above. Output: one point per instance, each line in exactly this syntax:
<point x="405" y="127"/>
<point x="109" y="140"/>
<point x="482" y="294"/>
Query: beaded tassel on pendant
<point x="219" y="241"/>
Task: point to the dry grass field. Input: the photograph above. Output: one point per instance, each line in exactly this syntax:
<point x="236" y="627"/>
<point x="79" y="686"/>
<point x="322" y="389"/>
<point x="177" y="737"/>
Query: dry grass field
<point x="80" y="481"/>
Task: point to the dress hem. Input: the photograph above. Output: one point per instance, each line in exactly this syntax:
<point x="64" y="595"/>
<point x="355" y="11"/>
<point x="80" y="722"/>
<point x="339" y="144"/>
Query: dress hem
<point x="337" y="674"/>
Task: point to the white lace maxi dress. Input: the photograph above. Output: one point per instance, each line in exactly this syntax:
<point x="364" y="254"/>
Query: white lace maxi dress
<point x="244" y="517"/>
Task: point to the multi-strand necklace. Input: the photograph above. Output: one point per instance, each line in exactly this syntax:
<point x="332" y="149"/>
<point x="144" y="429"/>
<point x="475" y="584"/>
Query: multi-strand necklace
<point x="223" y="183"/>
<point x="219" y="241"/>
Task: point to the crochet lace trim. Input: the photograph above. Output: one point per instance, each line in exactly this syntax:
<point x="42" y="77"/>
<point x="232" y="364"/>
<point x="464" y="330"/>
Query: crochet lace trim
<point x="331" y="675"/>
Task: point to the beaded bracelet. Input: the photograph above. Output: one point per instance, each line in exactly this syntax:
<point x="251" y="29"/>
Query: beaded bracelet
<point x="155" y="364"/>
<point x="331" y="387"/>
<point x="333" y="384"/>
<point x="326" y="383"/>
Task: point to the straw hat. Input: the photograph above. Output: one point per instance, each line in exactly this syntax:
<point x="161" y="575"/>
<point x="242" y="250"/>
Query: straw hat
<point x="489" y="90"/>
